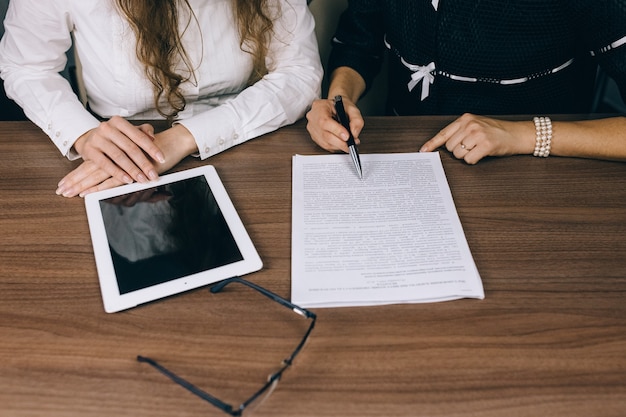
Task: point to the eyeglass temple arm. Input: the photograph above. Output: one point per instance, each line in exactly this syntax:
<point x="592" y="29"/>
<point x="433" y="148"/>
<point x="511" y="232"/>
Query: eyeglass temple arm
<point x="302" y="311"/>
<point x="186" y="384"/>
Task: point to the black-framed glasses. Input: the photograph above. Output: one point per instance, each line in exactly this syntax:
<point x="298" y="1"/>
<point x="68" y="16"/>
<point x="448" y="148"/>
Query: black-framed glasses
<point x="272" y="380"/>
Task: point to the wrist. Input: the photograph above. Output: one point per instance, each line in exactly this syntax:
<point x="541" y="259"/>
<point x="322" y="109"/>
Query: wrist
<point x="77" y="147"/>
<point x="526" y="137"/>
<point x="543" y="136"/>
<point x="176" y="143"/>
<point x="347" y="83"/>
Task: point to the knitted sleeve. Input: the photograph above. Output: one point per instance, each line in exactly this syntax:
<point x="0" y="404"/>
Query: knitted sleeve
<point x="358" y="42"/>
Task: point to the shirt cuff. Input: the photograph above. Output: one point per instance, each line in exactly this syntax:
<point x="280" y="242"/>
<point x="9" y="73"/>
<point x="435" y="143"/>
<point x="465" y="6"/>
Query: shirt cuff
<point x="215" y="130"/>
<point x="65" y="128"/>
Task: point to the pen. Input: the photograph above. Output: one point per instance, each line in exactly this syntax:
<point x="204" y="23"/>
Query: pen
<point x="343" y="119"/>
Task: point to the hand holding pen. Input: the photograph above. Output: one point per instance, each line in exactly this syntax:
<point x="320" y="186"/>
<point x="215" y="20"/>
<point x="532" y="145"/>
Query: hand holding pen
<point x="345" y="122"/>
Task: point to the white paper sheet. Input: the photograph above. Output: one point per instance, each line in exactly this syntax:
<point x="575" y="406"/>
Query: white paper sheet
<point x="392" y="237"/>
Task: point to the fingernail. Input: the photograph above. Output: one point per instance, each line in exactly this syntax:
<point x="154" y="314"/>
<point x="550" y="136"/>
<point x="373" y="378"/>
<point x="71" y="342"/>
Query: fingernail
<point x="127" y="179"/>
<point x="68" y="193"/>
<point x="153" y="175"/>
<point x="142" y="178"/>
<point x="60" y="190"/>
<point x="160" y="157"/>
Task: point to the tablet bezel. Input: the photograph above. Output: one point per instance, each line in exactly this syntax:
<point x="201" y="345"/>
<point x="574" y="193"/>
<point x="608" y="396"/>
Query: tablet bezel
<point x="111" y="297"/>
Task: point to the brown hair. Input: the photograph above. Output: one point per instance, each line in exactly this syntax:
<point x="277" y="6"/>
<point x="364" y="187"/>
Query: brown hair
<point x="160" y="49"/>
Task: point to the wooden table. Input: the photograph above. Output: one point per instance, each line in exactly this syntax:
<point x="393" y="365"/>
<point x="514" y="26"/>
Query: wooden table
<point x="548" y="237"/>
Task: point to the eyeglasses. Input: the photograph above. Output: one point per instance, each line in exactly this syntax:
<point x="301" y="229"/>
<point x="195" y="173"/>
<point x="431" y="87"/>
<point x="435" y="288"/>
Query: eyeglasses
<point x="272" y="380"/>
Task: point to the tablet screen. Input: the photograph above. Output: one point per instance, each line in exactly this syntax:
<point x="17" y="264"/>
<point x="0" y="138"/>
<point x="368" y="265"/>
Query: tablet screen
<point x="166" y="232"/>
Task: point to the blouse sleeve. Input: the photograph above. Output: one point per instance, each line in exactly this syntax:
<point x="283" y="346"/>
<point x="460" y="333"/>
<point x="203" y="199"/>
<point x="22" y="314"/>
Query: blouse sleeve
<point x="281" y="97"/>
<point x="359" y="40"/>
<point x="32" y="55"/>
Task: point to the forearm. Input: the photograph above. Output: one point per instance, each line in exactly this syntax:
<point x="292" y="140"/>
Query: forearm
<point x="49" y="102"/>
<point x="32" y="54"/>
<point x="346" y="82"/>
<point x="280" y="98"/>
<point x="599" y="139"/>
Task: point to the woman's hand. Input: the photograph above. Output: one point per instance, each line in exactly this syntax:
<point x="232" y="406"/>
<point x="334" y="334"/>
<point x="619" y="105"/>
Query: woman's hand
<point x="326" y="131"/>
<point x="472" y="138"/>
<point x="88" y="176"/>
<point x="176" y="143"/>
<point x="121" y="149"/>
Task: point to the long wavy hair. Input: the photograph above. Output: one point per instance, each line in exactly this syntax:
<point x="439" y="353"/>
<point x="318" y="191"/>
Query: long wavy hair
<point x="156" y="25"/>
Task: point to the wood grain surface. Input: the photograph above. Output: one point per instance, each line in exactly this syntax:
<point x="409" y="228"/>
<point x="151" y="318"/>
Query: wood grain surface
<point x="548" y="237"/>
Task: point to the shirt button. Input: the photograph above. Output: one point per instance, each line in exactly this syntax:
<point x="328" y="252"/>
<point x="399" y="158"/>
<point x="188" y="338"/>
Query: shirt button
<point x="221" y="142"/>
<point x="235" y="136"/>
<point x="64" y="143"/>
<point x="57" y="134"/>
<point x="207" y="149"/>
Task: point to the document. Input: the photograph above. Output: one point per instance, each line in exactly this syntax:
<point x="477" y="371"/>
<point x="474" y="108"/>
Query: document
<point x="393" y="236"/>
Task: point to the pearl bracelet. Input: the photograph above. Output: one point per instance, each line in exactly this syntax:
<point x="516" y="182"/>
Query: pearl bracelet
<point x="543" y="141"/>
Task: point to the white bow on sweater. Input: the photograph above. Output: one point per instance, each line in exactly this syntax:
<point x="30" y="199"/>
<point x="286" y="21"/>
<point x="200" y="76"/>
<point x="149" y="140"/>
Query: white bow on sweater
<point x="425" y="74"/>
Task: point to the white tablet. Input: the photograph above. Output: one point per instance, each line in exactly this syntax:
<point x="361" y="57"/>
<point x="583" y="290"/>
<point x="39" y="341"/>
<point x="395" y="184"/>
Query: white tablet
<point x="168" y="236"/>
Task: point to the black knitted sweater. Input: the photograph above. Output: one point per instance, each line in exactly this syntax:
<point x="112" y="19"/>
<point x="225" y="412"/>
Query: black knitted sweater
<point x="485" y="56"/>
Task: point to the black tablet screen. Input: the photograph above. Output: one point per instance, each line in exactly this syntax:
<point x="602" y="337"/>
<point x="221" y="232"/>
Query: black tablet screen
<point x="166" y="232"/>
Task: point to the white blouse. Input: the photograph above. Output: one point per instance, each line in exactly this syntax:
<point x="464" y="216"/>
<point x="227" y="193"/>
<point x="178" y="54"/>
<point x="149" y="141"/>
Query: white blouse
<point x="220" y="113"/>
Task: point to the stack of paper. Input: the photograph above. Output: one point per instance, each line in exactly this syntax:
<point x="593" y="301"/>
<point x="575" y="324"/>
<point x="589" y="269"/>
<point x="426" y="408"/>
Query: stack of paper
<point x="392" y="237"/>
